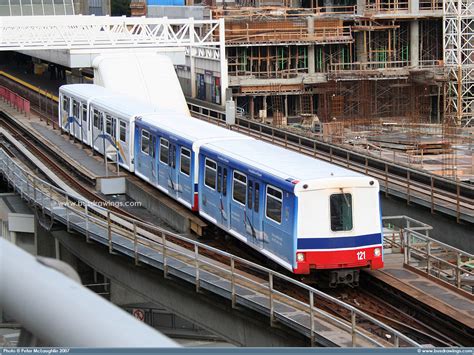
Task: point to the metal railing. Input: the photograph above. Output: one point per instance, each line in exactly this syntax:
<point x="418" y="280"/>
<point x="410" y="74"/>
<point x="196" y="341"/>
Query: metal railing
<point x="399" y="178"/>
<point x="434" y="258"/>
<point x="138" y="239"/>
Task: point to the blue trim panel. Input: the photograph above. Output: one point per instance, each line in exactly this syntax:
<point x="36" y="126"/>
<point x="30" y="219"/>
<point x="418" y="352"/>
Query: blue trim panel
<point x="339" y="242"/>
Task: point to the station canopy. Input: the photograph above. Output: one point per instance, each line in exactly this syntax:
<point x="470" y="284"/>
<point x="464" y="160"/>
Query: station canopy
<point x="36" y="7"/>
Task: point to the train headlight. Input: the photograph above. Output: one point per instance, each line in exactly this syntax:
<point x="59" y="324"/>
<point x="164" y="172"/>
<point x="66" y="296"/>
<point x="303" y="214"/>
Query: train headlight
<point x="300" y="257"/>
<point x="377" y="252"/>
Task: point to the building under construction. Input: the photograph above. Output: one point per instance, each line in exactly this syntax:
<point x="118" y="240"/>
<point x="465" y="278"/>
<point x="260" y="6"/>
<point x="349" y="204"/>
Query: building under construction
<point x="354" y="68"/>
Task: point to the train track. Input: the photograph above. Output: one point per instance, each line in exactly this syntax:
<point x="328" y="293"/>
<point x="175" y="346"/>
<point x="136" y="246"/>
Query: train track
<point x="387" y="312"/>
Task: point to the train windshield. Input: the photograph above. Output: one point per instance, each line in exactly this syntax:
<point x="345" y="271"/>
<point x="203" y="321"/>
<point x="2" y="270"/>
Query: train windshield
<point x="341" y="212"/>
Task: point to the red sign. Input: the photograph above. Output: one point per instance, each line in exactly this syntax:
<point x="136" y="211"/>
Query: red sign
<point x="139" y="314"/>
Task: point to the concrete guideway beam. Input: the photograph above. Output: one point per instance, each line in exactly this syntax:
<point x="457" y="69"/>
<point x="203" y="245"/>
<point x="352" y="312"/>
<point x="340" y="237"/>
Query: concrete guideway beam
<point x="238" y="326"/>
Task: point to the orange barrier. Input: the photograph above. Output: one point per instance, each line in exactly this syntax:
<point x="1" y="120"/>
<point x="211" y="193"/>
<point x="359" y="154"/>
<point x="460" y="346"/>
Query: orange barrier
<point x="15" y="100"/>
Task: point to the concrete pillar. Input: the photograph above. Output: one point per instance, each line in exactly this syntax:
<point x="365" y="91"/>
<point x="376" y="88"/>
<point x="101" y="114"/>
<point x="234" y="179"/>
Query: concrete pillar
<point x="361" y="50"/>
<point x="252" y="107"/>
<point x="192" y="72"/>
<point x="286" y="106"/>
<point x="414" y="6"/>
<point x="265" y="107"/>
<point x="361" y="6"/>
<point x="414" y="43"/>
<point x="311" y="57"/>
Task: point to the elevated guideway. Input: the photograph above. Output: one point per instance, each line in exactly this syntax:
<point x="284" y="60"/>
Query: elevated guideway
<point x="248" y="287"/>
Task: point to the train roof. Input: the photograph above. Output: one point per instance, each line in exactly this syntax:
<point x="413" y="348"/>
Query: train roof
<point x="123" y="105"/>
<point x="280" y="162"/>
<point x="190" y="128"/>
<point x="86" y="91"/>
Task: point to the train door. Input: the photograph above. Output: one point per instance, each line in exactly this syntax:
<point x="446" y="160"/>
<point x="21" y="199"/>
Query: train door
<point x="123" y="144"/>
<point x="222" y="187"/>
<point x="185" y="181"/>
<point x="75" y="120"/>
<point x="173" y="184"/>
<point x="238" y="204"/>
<point x="253" y="216"/>
<point x="84" y="124"/>
<point x="145" y="156"/>
<point x="108" y="138"/>
<point x="165" y="166"/>
<point x="64" y="116"/>
<point x="97" y="123"/>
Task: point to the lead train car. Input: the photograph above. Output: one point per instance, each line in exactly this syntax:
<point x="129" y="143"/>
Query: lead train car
<point x="300" y="212"/>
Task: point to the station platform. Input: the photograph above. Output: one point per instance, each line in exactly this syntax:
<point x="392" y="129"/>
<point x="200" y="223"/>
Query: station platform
<point x="81" y="159"/>
<point x="43" y="81"/>
<point x="432" y="294"/>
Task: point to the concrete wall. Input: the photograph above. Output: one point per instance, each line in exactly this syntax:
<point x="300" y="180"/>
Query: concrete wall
<point x="159" y="206"/>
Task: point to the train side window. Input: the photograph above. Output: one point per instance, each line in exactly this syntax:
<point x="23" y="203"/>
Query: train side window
<point x="66" y="104"/>
<point x="224" y="182"/>
<point x="239" y="188"/>
<point x="96" y="119"/>
<point x="145" y="142"/>
<point x="274" y="200"/>
<point x="75" y="108"/>
<point x="185" y="161"/>
<point x="341" y="212"/>
<point x="249" y="194"/>
<point x="164" y="151"/>
<point x="108" y="124"/>
<point x="123" y="131"/>
<point x="219" y="179"/>
<point x="210" y="173"/>
<point x="257" y="197"/>
<point x="84" y="112"/>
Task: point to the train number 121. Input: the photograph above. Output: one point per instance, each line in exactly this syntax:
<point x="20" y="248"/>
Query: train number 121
<point x="361" y="255"/>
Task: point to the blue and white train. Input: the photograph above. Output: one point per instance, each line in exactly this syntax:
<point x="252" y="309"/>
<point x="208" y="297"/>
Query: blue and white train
<point x="304" y="214"/>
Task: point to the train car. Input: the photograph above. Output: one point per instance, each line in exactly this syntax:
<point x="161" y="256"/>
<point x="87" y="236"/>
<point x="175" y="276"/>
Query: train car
<point x="302" y="213"/>
<point x="167" y="152"/>
<point x="305" y="214"/>
<point x="73" y="107"/>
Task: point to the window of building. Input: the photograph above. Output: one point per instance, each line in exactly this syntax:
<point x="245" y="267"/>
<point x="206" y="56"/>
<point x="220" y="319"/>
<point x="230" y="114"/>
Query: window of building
<point x="341" y="212"/>
<point x="239" y="189"/>
<point x="274" y="204"/>
<point x="210" y="173"/>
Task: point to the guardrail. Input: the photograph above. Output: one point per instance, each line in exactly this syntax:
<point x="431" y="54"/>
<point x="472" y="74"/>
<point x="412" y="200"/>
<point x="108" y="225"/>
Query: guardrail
<point x="441" y="261"/>
<point x="436" y="192"/>
<point x="45" y="102"/>
<point x="15" y="100"/>
<point x="138" y="239"/>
